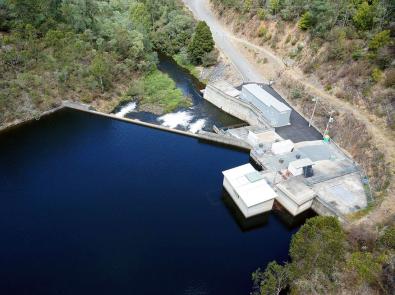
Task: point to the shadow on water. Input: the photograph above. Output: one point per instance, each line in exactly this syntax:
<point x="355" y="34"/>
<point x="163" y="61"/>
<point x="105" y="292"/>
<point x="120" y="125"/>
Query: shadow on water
<point x="261" y="220"/>
<point x="245" y="224"/>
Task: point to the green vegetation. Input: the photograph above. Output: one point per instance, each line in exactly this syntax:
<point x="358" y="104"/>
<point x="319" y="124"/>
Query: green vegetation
<point x="306" y="20"/>
<point x="202" y="44"/>
<point x="90" y="51"/>
<point x="159" y="90"/>
<point x="182" y="60"/>
<point x="326" y="260"/>
<point x="345" y="43"/>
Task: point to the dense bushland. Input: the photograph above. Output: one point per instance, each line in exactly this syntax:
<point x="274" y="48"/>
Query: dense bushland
<point x="325" y="259"/>
<point x="88" y="50"/>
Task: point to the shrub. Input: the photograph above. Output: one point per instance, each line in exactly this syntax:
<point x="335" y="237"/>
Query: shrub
<point x="306" y="21"/>
<point x="366" y="266"/>
<point x="363" y="18"/>
<point x="262" y="32"/>
<point x="376" y="75"/>
<point x="261" y="13"/>
<point x="296" y="93"/>
<point x="379" y="40"/>
<point x="210" y="59"/>
<point x="357" y="54"/>
<point x="387" y="240"/>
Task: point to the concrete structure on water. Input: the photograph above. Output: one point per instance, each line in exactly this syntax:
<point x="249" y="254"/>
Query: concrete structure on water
<point x="307" y="174"/>
<point x="249" y="190"/>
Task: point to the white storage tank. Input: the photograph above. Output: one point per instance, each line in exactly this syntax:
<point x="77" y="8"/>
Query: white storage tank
<point x="275" y="112"/>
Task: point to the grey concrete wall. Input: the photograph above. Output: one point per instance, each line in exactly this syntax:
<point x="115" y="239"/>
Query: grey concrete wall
<point x="204" y="136"/>
<point x="234" y="106"/>
<point x="324" y="209"/>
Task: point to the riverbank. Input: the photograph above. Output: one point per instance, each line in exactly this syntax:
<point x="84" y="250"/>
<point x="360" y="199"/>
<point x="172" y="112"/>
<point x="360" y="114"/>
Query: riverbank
<point x="224" y="69"/>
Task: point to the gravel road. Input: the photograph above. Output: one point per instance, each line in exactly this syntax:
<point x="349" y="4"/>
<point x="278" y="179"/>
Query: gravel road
<point x="223" y="40"/>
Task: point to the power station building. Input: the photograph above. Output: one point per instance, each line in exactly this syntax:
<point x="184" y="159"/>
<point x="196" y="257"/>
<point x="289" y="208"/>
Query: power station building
<point x="275" y="112"/>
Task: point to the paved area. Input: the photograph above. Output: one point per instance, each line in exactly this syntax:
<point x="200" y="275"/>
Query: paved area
<point x="299" y="129"/>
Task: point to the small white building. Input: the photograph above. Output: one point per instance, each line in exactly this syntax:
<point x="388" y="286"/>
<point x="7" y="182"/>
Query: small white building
<point x="275" y="112"/>
<point x="249" y="190"/>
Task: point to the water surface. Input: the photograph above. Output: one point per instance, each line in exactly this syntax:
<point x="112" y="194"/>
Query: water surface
<point x="201" y="116"/>
<point x="91" y="205"/>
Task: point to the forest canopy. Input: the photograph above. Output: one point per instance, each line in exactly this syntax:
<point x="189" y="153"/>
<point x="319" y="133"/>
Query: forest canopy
<point x="85" y="50"/>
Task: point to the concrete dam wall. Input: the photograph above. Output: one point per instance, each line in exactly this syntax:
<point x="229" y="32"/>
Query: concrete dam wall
<point x="234" y="106"/>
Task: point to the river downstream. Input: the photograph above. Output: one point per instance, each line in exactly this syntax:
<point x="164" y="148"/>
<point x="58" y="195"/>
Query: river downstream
<point x="202" y="115"/>
<point x="92" y="205"/>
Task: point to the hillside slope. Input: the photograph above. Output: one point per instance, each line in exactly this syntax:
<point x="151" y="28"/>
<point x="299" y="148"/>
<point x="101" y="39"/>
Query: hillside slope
<point x="364" y="134"/>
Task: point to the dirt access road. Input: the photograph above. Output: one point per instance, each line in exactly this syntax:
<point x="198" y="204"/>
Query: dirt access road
<point x="222" y="38"/>
<point x="234" y="47"/>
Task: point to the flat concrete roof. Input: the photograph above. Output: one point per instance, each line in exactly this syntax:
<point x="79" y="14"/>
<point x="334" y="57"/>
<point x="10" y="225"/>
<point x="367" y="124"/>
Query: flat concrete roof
<point x="252" y="192"/>
<point x="227" y="88"/>
<point x="318" y="150"/>
<point x="296" y="190"/>
<point x="266" y="97"/>
<point x="345" y="193"/>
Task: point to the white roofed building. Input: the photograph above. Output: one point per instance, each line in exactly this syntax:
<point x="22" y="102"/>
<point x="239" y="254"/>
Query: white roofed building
<point x="249" y="190"/>
<point x="275" y="112"/>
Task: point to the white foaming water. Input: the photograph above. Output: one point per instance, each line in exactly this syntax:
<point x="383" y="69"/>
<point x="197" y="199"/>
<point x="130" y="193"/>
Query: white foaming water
<point x="128" y="108"/>
<point x="197" y="126"/>
<point x="173" y="120"/>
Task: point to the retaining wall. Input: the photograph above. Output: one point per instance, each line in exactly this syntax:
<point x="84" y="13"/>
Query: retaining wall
<point x="234" y="106"/>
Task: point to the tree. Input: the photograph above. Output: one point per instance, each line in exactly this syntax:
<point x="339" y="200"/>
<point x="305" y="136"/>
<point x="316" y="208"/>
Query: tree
<point x="101" y="69"/>
<point x="319" y="245"/>
<point x="272" y="281"/>
<point x="201" y="44"/>
<point x="80" y="14"/>
<point x="140" y="16"/>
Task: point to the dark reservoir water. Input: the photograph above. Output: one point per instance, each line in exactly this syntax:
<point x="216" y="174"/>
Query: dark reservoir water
<point x="91" y="205"/>
<point x="202" y="115"/>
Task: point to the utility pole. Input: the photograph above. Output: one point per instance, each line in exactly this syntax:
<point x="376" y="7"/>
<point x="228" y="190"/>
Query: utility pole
<point x="315" y="106"/>
<point x="329" y="121"/>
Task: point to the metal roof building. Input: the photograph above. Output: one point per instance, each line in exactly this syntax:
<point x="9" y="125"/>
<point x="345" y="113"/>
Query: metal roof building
<point x="274" y="111"/>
